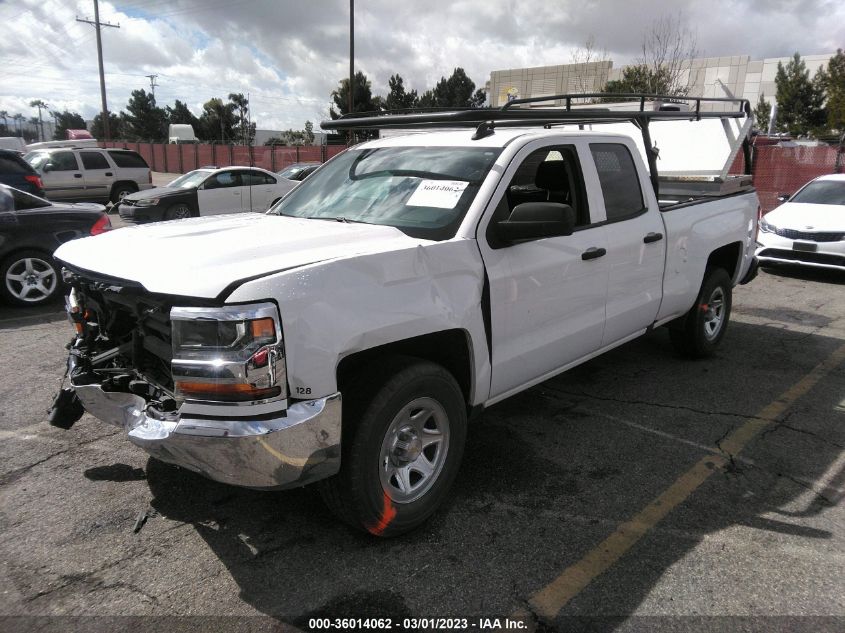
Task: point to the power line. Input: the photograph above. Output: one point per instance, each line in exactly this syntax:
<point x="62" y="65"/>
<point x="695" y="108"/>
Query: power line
<point x="98" y="25"/>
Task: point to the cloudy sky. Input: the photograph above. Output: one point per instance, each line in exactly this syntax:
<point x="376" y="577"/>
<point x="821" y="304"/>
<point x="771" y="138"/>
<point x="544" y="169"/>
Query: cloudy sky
<point x="289" y="54"/>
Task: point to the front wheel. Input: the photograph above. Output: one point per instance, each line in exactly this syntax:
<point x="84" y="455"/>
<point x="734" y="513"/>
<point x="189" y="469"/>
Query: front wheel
<point x="403" y="451"/>
<point x="699" y="333"/>
<point x="29" y="278"/>
<point x="178" y="212"/>
<point x="120" y="192"/>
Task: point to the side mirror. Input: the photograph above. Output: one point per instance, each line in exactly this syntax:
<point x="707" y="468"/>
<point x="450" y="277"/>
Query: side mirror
<point x="783" y="197"/>
<point x="48" y="167"/>
<point x="536" y="220"/>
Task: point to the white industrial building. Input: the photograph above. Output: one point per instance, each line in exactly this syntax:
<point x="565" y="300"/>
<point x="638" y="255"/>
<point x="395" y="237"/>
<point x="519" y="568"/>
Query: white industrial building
<point x="736" y="76"/>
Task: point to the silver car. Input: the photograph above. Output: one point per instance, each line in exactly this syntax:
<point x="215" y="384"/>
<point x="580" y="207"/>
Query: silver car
<point x="93" y="174"/>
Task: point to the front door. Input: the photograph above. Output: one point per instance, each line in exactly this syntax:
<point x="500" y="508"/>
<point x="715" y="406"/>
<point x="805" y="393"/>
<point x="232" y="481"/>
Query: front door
<point x="62" y="176"/>
<point x="547" y="296"/>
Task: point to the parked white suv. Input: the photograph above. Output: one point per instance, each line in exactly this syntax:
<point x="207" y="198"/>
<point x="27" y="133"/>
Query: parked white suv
<point x="90" y="174"/>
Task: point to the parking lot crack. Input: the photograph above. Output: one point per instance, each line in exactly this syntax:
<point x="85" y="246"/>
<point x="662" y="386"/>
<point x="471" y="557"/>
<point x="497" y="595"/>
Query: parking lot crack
<point x="674" y="407"/>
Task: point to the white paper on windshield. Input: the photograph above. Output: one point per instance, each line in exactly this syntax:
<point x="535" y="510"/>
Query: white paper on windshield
<point x="443" y="194"/>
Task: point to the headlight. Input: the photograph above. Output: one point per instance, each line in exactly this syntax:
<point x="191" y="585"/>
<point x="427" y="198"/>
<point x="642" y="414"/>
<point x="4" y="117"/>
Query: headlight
<point x="766" y="227"/>
<point x="147" y="202"/>
<point x="228" y="354"/>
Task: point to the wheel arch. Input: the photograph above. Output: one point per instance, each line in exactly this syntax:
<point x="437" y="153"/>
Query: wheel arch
<point x="121" y="183"/>
<point x="727" y="257"/>
<point x="452" y="349"/>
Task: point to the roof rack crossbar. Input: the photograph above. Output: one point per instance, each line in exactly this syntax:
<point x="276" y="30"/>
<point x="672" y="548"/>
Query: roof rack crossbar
<point x="473" y="117"/>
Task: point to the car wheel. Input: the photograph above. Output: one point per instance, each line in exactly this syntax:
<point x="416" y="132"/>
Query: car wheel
<point x="30" y="278"/>
<point x="178" y="212"/>
<point x="699" y="333"/>
<point x="401" y="449"/>
<point x="120" y="192"/>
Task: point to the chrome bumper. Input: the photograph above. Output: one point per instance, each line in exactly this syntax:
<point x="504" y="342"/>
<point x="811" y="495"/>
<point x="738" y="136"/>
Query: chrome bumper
<point x="286" y="449"/>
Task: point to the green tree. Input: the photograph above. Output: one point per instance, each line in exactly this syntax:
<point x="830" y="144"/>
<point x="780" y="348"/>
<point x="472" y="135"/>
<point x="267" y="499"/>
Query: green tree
<point x="65" y="121"/>
<point x="181" y="113"/>
<point x="800" y="100"/>
<point x="146" y="121"/>
<point x="39" y="103"/>
<point x="457" y="91"/>
<point x="362" y="95"/>
<point x="363" y="101"/>
<point x="114" y="126"/>
<point x="244" y="129"/>
<point x="639" y="78"/>
<point x="835" y="91"/>
<point x="398" y="98"/>
<point x="762" y="113"/>
<point x="217" y="121"/>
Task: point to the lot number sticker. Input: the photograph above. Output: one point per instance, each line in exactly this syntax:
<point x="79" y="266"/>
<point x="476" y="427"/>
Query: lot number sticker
<point x="443" y="194"/>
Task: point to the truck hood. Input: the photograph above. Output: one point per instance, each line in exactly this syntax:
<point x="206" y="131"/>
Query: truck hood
<point x="202" y="257"/>
<point x="803" y="216"/>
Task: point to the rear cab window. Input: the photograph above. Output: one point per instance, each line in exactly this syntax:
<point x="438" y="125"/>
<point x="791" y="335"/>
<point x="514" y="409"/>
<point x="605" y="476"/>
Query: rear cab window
<point x="619" y="179"/>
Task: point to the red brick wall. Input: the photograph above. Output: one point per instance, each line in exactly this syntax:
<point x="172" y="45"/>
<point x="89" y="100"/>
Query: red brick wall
<point x="180" y="159"/>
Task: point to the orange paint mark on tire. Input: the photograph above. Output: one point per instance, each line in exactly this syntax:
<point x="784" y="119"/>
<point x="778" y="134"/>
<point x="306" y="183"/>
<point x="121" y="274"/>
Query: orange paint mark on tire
<point x="388" y="513"/>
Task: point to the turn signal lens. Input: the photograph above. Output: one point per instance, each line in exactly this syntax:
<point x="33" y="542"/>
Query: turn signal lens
<point x="263" y="329"/>
<point x="237" y="392"/>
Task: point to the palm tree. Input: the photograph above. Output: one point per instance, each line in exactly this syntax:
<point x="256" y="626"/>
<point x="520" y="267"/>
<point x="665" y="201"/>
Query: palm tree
<point x="38" y="103"/>
<point x="18" y="119"/>
<point x="5" y="115"/>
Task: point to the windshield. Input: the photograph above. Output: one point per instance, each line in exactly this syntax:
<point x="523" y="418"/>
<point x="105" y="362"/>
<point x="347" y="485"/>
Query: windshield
<point x="191" y="179"/>
<point x="291" y="172"/>
<point x="822" y="192"/>
<point x="422" y="191"/>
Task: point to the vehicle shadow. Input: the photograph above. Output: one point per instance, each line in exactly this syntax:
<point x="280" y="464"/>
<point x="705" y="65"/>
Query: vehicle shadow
<point x="819" y="275"/>
<point x="12" y="317"/>
<point x="547" y="475"/>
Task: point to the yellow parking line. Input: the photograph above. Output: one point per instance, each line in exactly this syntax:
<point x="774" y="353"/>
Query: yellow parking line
<point x="553" y="597"/>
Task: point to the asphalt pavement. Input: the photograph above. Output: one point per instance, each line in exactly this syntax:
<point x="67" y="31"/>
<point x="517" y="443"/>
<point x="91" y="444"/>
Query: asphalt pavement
<point x="639" y="491"/>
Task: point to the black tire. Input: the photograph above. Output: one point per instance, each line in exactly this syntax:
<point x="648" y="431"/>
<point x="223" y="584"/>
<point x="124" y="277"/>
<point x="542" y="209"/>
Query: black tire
<point x="17" y="272"/>
<point x="178" y="211"/>
<point x="121" y="190"/>
<point x="357" y="494"/>
<point x="699" y="333"/>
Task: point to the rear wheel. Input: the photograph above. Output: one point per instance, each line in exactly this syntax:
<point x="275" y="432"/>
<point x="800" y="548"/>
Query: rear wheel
<point x="29" y="278"/>
<point x="121" y="191"/>
<point x="699" y="333"/>
<point x="402" y="448"/>
<point x="178" y="211"/>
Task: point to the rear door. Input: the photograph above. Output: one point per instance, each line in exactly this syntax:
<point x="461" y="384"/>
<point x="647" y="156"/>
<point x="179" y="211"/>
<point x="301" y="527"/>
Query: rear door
<point x="636" y="244"/>
<point x="221" y="193"/>
<point x="99" y="175"/>
<point x="258" y="190"/>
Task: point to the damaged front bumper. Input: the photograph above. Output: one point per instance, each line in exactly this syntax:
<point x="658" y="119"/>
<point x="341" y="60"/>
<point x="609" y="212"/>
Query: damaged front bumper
<point x="270" y="451"/>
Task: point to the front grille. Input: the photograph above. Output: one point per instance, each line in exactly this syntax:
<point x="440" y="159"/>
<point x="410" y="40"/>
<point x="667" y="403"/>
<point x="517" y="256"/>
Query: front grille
<point x="793" y="234"/>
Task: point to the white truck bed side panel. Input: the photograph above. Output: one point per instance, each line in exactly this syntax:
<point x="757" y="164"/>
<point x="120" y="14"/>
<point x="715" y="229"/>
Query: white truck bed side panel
<point x="694" y="232"/>
<point x="333" y="309"/>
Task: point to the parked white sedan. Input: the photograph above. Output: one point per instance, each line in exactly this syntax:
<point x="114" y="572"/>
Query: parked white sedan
<point x="206" y="191"/>
<point x="808" y="229"/>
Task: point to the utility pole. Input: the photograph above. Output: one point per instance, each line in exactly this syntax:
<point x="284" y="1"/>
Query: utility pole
<point x="153" y="84"/>
<point x="351" y="55"/>
<point x="97" y="25"/>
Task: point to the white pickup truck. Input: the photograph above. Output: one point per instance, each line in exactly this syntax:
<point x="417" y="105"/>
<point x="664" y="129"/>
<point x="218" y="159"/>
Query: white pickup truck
<point x="421" y="278"/>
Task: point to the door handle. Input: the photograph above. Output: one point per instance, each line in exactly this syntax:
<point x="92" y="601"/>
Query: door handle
<point x="77" y="175"/>
<point x="593" y="253"/>
<point x="652" y="237"/>
<point x="108" y="173"/>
